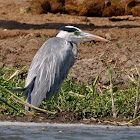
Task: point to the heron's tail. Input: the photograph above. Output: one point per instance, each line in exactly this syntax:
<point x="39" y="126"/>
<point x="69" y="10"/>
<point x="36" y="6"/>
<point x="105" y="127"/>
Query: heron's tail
<point x="26" y="92"/>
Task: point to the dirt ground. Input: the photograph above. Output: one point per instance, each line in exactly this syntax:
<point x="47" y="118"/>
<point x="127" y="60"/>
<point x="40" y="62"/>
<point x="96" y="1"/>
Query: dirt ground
<point x="22" y="34"/>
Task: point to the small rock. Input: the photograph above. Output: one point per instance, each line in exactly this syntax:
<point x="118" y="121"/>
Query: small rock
<point x="33" y="35"/>
<point x="129" y="63"/>
<point x="123" y="58"/>
<point x="43" y="129"/>
<point x="108" y="36"/>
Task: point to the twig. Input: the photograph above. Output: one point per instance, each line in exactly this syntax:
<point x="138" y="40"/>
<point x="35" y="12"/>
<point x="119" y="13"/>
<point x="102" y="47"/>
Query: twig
<point x="133" y="120"/>
<point x="100" y="90"/>
<point x="8" y="104"/>
<point x="34" y="107"/>
<point x="137" y="90"/>
<point x="25" y="103"/>
<point x="112" y="99"/>
<point x="14" y="74"/>
<point x="95" y="81"/>
<point x="137" y="101"/>
<point x="132" y="79"/>
<point x="137" y="94"/>
<point x="137" y="71"/>
<point x="76" y="94"/>
<point x="111" y="92"/>
<point x="3" y="88"/>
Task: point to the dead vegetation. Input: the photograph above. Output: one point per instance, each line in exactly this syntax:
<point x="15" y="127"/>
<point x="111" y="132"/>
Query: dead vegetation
<point x="99" y="8"/>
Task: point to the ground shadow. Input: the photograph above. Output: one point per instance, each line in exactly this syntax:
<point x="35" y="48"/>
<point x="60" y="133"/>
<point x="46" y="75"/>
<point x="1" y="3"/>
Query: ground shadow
<point x="11" y="24"/>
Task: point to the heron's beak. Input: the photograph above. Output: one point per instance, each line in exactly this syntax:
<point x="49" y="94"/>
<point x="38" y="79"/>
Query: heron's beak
<point x="88" y="37"/>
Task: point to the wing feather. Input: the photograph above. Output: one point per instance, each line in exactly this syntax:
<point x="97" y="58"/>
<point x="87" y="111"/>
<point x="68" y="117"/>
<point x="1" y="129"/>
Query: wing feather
<point x="50" y="66"/>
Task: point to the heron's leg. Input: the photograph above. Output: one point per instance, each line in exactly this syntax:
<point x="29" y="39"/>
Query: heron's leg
<point x="28" y="100"/>
<point x="56" y="94"/>
<point x="58" y="102"/>
<point x="56" y="97"/>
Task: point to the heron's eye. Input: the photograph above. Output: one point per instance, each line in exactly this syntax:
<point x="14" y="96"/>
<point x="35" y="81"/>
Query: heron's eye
<point x="77" y="33"/>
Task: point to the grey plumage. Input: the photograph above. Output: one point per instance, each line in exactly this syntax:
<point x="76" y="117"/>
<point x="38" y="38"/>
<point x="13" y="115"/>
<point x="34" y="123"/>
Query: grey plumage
<point x="52" y="63"/>
<point x="50" y="66"/>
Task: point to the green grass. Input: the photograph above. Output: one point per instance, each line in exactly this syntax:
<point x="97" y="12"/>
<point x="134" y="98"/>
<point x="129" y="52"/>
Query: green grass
<point x="80" y="98"/>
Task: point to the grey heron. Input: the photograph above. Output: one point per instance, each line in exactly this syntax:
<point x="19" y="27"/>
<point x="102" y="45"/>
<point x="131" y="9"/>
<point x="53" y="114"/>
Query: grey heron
<point x="52" y="63"/>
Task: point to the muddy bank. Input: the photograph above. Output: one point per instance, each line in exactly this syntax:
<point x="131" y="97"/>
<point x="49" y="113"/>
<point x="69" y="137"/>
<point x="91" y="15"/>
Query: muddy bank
<point x="22" y="34"/>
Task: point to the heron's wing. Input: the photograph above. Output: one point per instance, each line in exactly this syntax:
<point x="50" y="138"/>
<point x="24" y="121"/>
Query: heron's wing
<point x="50" y="66"/>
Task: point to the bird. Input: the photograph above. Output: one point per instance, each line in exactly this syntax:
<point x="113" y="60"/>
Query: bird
<point x="51" y="64"/>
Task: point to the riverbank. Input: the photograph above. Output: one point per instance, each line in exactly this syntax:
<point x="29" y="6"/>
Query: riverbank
<point x="85" y="95"/>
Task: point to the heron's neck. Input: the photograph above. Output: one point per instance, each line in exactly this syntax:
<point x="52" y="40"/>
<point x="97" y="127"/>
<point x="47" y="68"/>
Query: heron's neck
<point x="74" y="49"/>
<point x="62" y="34"/>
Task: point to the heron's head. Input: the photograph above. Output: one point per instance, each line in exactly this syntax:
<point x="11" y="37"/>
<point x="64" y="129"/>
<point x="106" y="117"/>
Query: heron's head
<point x="75" y="35"/>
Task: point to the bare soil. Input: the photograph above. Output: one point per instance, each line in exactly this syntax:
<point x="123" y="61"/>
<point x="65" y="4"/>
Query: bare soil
<point x="22" y="34"/>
